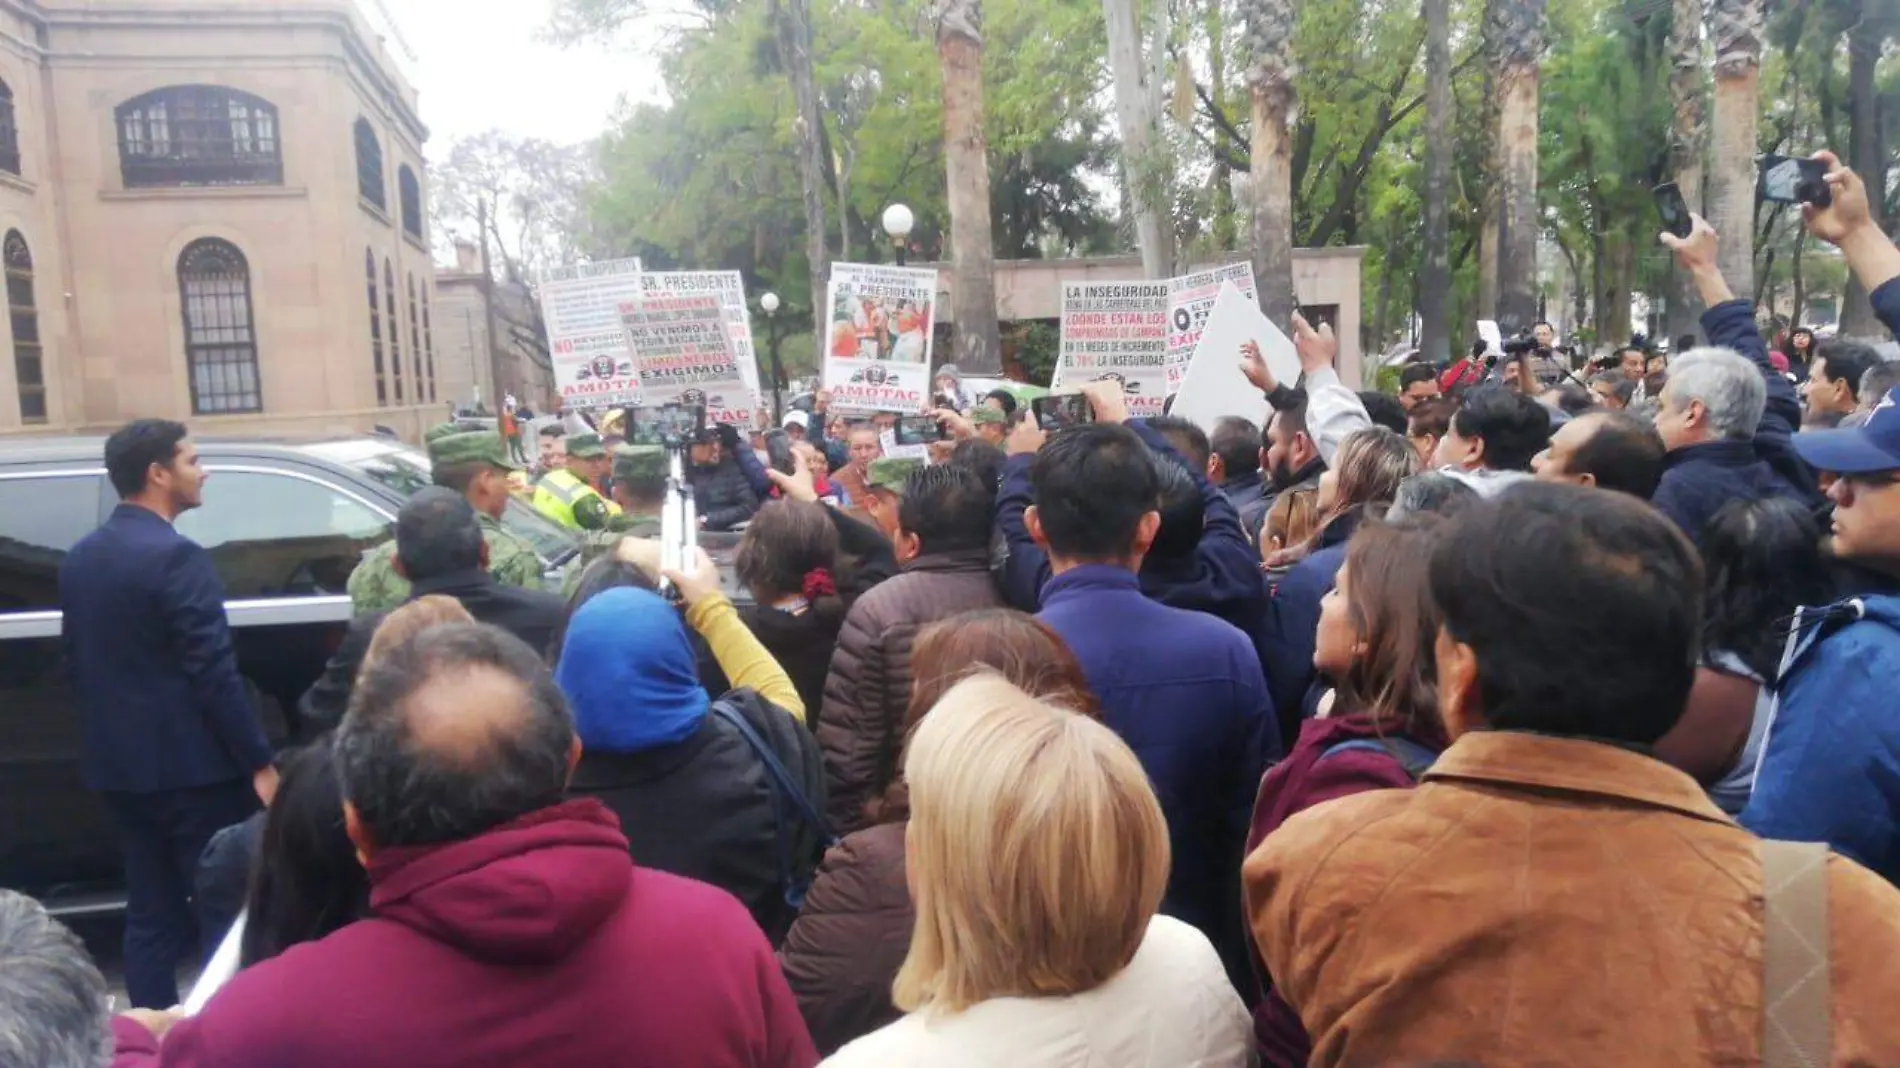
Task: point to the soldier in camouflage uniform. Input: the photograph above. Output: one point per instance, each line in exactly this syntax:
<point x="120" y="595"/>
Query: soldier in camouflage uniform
<point x="640" y="491"/>
<point x="474" y="463"/>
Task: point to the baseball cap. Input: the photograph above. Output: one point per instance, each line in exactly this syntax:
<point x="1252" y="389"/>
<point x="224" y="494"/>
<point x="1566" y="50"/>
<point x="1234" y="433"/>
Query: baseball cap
<point x="889" y="473"/>
<point x="585" y="446"/>
<point x="1871" y="447"/>
<point x="470" y="446"/>
<point x="797" y="419"/>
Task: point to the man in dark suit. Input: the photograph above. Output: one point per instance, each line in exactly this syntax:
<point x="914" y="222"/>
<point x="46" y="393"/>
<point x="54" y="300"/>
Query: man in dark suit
<point x="171" y="738"/>
<point x="440" y="550"/>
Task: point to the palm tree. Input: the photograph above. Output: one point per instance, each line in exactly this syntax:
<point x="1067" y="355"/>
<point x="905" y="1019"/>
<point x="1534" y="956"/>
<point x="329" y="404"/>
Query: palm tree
<point x="1269" y="40"/>
<point x="1735" y="29"/>
<point x="1516" y="36"/>
<point x="966" y="159"/>
<point x="1686" y="142"/>
<point x="1144" y="174"/>
<point x="1435" y="282"/>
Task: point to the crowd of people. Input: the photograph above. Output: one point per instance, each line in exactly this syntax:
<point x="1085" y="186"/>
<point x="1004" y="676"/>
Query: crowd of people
<point x="1504" y="721"/>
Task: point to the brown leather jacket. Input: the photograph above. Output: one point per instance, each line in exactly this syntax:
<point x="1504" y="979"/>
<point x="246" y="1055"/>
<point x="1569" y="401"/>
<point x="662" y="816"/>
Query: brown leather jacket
<point x="844" y="950"/>
<point x="868" y="688"/>
<point x="1542" y="900"/>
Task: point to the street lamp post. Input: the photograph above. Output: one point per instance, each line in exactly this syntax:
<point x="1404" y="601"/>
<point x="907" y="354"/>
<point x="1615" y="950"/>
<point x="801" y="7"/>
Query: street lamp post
<point x="769" y="304"/>
<point x="897" y="223"/>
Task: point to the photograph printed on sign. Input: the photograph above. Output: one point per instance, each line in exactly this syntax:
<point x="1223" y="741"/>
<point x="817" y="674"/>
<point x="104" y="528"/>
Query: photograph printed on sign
<point x="879" y="329"/>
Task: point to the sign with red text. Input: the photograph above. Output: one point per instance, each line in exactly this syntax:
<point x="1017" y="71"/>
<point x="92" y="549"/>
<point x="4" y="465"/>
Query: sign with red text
<point x="1190" y="298"/>
<point x="1115" y="331"/>
<point x="587" y="342"/>
<point x="729" y="287"/>
<point x="878" y="333"/>
<point x="683" y="350"/>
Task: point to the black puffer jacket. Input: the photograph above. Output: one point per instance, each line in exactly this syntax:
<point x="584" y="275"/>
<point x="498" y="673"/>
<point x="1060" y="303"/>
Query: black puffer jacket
<point x="723" y="494"/>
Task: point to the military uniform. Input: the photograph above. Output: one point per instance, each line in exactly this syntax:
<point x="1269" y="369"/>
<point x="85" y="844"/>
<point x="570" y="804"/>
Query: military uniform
<point x="374" y="585"/>
<point x="632" y="464"/>
<point x="563" y="497"/>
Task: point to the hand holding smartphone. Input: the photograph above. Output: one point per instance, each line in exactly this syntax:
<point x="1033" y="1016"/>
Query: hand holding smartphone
<point x="1789" y="180"/>
<point x="1673" y="209"/>
<point x="1058" y="411"/>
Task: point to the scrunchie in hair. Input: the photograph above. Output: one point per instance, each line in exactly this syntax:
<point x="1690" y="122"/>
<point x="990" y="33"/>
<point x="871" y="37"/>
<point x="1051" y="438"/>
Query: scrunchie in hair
<point x="818" y="584"/>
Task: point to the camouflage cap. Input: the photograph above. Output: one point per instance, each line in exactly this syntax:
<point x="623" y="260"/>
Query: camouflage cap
<point x="889" y="473"/>
<point x="442" y="430"/>
<point x="639" y="463"/>
<point x="984" y="415"/>
<point x="585" y="447"/>
<point x="468" y="447"/>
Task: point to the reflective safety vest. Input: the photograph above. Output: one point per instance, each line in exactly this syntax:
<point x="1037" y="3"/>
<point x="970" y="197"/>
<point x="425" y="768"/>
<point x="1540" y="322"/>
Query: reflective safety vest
<point x="556" y="494"/>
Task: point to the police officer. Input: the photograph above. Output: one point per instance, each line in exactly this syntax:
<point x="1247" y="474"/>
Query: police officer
<point x="476" y="464"/>
<point x="640" y="492"/>
<point x="568" y="496"/>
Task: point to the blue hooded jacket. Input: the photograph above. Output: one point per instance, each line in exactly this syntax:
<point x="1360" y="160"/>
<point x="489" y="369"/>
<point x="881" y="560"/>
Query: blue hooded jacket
<point x="629" y="674"/>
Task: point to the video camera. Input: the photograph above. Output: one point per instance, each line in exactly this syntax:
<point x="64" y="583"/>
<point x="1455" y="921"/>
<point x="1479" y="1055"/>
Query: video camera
<point x="675" y="428"/>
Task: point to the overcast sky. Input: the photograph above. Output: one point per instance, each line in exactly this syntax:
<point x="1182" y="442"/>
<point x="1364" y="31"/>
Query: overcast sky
<point x="479" y="66"/>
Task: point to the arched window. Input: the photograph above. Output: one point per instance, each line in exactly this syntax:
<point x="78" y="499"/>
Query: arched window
<point x="410" y="189"/>
<point x="415" y="344"/>
<point x="29" y="370"/>
<point x="428" y="342"/>
<point x="9" y="132"/>
<point x="369" y="165"/>
<point x="198" y="135"/>
<point x="395" y="328"/>
<point x="376" y="329"/>
<point x="214" y="280"/>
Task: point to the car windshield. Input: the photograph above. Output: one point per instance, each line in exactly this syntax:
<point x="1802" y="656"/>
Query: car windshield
<point x="406" y="471"/>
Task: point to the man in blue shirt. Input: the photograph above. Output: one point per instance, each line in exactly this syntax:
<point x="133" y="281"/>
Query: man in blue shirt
<point x="1182" y="688"/>
<point x="171" y="739"/>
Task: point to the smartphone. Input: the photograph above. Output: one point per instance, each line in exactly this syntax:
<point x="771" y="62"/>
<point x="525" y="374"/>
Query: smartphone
<point x="669" y="425"/>
<point x="918" y="430"/>
<point x="778" y="450"/>
<point x="1059" y="410"/>
<point x="1790" y="180"/>
<point x="1673" y="209"/>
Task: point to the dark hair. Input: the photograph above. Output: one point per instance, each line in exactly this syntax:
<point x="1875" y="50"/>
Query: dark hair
<point x="437" y="534"/>
<point x="1389" y="599"/>
<point x="1186" y="438"/>
<point x="1430" y="493"/>
<point x="1008" y="399"/>
<point x="1847" y="361"/>
<point x="457" y="477"/>
<point x="305" y="879"/>
<point x="1801" y="330"/>
<point x="135" y="447"/>
<point x="1513" y="427"/>
<point x="1622" y="385"/>
<point x="1291" y="419"/>
<point x="1237" y="442"/>
<point x="1385" y="410"/>
<point x="1544" y="322"/>
<point x="1092" y="485"/>
<point x="1413" y="373"/>
<point x="1625" y="453"/>
<point x="948" y="508"/>
<point x="1764" y="561"/>
<point x="605" y="573"/>
<point x="1547" y="584"/>
<point x="980" y="458"/>
<point x="553" y="430"/>
<point x="1574" y="399"/>
<point x="1183" y="512"/>
<point x="1015" y="645"/>
<point x="1431" y="418"/>
<point x="785" y="542"/>
<point x="501" y="764"/>
<point x="1687" y="342"/>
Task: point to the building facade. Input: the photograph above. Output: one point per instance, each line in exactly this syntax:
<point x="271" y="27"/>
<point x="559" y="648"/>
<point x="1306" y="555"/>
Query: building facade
<point x="212" y="211"/>
<point x="490" y="341"/>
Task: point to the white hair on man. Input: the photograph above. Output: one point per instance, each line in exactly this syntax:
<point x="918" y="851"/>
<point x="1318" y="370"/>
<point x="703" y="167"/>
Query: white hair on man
<point x="54" y="1011"/>
<point x="1728" y="385"/>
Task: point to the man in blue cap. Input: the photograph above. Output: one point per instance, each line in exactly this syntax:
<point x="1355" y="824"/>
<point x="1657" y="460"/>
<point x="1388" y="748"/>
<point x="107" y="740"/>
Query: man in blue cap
<point x="1830" y="768"/>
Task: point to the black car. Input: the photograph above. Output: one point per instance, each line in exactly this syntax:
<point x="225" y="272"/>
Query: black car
<point x="284" y="522"/>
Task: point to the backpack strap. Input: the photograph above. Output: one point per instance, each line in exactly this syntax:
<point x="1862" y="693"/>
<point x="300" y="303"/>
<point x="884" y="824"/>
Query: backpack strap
<point x="775" y="767"/>
<point x="1413" y="757"/>
<point x="1797" y="1016"/>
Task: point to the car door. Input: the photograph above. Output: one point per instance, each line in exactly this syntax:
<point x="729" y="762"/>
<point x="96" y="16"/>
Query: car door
<point x="56" y="839"/>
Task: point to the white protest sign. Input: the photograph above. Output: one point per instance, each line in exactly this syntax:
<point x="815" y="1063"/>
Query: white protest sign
<point x="1119" y="331"/>
<point x="879" y="323"/>
<point x="684" y="354"/>
<point x="587" y="343"/>
<point x="1214" y="385"/>
<point x="1493" y="337"/>
<point x="1190" y="298"/>
<point x="729" y="287"/>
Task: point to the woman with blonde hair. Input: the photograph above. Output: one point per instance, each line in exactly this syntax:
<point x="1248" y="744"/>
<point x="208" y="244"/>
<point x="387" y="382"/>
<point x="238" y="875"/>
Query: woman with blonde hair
<point x="1037" y="858"/>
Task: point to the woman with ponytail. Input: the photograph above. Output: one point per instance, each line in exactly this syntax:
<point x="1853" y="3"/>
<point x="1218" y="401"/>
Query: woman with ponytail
<point x="789" y="562"/>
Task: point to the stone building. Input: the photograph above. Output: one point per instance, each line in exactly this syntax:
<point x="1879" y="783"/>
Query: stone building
<point x="211" y="211"/>
<point x="490" y="341"/>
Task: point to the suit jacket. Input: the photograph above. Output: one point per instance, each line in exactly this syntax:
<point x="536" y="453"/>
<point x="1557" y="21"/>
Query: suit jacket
<point x="531" y="615"/>
<point x="150" y="658"/>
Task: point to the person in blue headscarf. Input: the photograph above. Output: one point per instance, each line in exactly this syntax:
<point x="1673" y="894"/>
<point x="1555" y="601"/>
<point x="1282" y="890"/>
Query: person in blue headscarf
<point x="688" y="775"/>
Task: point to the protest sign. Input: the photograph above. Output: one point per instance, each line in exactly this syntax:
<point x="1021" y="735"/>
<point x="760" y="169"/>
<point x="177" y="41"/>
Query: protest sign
<point x="879" y="322"/>
<point x="1119" y="331"/>
<point x="1214" y="385"/>
<point x="729" y="287"/>
<point x="587" y="343"/>
<point x="1190" y="298"/>
<point x="683" y="349"/>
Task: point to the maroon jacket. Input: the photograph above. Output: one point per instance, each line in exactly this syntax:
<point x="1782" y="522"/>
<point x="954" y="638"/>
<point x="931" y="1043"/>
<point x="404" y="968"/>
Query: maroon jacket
<point x="538" y="943"/>
<point x="1292" y="786"/>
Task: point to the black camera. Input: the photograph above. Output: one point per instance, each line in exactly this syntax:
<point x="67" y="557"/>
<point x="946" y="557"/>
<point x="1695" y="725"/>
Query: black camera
<point x="1519" y="345"/>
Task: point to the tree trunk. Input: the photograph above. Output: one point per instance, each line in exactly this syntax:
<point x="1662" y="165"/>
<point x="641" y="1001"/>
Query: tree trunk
<point x="1226" y="223"/>
<point x="1736" y="28"/>
<point x="1866" y="151"/>
<point x="1435" y="280"/>
<point x="1520" y="41"/>
<point x="1144" y="171"/>
<point x="1491" y="173"/>
<point x="1616" y="317"/>
<point x="966" y="159"/>
<point x="795" y="51"/>
<point x="1687" y="142"/>
<point x="1275" y="106"/>
<point x="1800" y="282"/>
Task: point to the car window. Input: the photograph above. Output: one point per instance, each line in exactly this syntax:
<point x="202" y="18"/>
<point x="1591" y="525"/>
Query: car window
<point x="407" y="472"/>
<point x="282" y="535"/>
<point x="396" y="471"/>
<point x="40" y="520"/>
